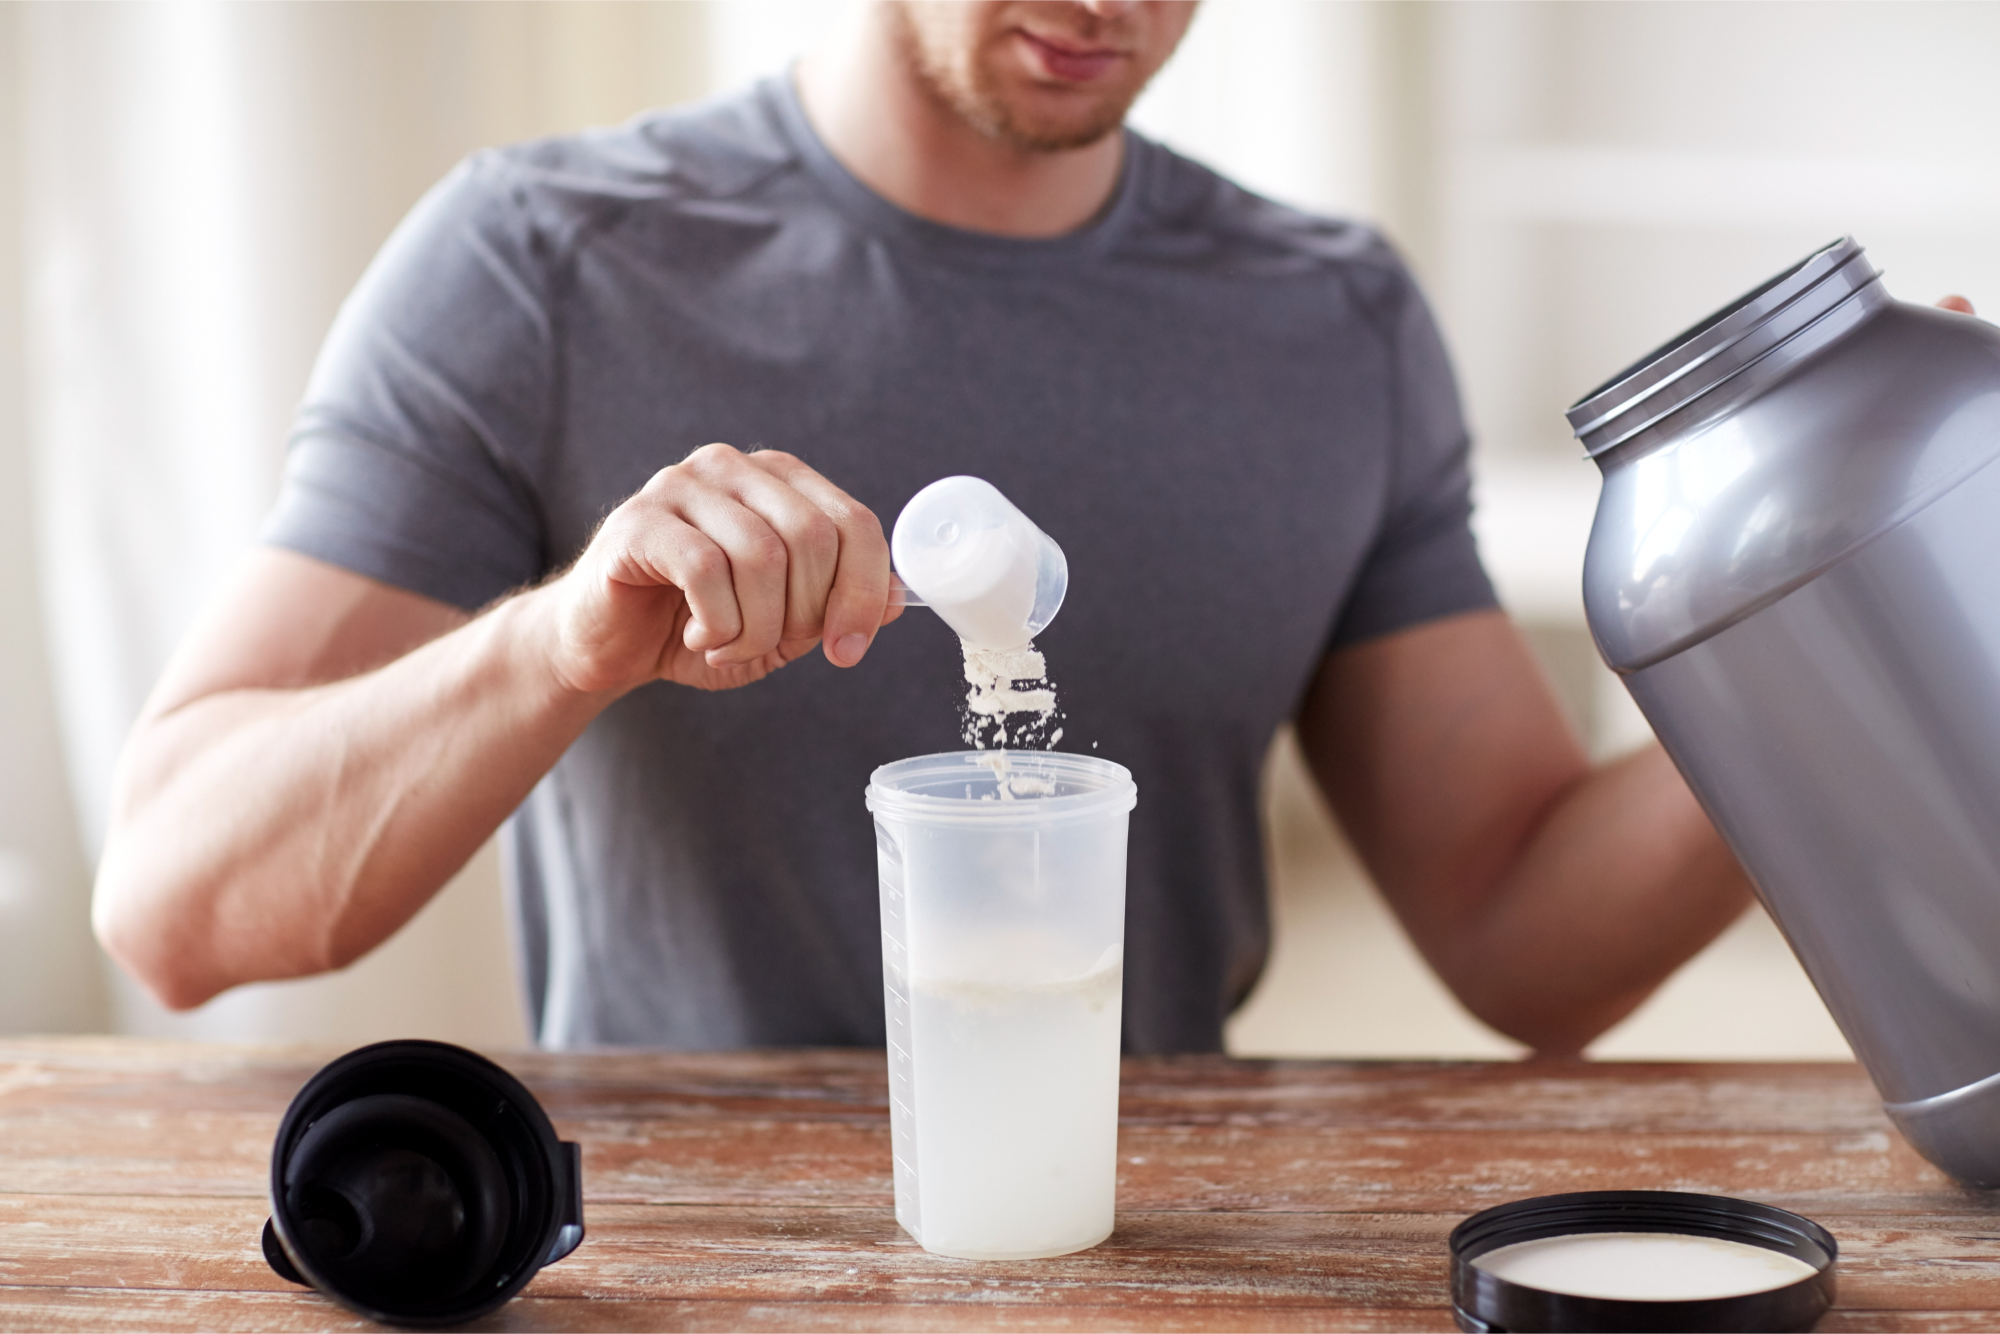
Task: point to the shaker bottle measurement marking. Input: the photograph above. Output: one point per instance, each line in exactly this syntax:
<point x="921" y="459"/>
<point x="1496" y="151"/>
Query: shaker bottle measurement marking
<point x="896" y="1009"/>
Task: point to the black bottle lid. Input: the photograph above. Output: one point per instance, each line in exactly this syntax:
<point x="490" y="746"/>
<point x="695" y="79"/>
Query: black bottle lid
<point x="1485" y="1302"/>
<point x="417" y="1183"/>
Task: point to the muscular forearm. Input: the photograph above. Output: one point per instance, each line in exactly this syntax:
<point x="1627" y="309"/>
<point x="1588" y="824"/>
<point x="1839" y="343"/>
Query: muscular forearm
<point x="267" y="833"/>
<point x="324" y="750"/>
<point x="1549" y="895"/>
<point x="1621" y="881"/>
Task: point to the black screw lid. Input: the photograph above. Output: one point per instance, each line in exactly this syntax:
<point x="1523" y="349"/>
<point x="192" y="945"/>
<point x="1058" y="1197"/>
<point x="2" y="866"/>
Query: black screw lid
<point x="418" y="1183"/>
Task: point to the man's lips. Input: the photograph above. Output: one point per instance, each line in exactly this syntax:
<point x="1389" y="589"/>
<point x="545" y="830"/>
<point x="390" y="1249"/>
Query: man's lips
<point x="1071" y="64"/>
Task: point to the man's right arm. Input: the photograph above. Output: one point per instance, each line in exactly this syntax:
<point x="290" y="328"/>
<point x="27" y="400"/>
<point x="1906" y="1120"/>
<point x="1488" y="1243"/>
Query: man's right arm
<point x="325" y="751"/>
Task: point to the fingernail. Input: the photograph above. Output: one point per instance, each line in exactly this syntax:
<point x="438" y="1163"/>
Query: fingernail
<point x="849" y="648"/>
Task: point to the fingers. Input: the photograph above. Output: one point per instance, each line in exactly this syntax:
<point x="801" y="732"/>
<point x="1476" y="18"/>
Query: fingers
<point x="851" y="603"/>
<point x="648" y="545"/>
<point x="775" y="543"/>
<point x="798" y="504"/>
<point x="769" y="554"/>
<point x="1957" y="303"/>
<point x="750" y="575"/>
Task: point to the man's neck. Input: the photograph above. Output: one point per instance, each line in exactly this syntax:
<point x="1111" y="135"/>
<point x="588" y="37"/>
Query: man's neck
<point x="875" y="115"/>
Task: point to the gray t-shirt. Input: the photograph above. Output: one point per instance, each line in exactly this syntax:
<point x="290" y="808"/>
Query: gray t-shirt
<point x="1236" y="419"/>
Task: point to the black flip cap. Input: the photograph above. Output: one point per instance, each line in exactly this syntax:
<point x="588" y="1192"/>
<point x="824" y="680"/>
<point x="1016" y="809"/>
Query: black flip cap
<point x="417" y="1183"/>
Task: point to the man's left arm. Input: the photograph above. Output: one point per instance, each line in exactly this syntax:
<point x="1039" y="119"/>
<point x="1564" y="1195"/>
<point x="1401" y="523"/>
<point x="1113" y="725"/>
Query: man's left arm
<point x="1551" y="896"/>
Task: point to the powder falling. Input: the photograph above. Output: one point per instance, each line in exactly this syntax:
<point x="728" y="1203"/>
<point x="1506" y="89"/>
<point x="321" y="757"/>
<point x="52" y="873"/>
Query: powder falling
<point x="1002" y="685"/>
<point x="1009" y="785"/>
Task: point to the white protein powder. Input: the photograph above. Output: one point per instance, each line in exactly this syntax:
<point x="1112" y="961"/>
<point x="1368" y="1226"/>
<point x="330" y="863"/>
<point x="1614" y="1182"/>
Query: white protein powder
<point x="987" y="590"/>
<point x="1001" y="685"/>
<point x="1008" y="785"/>
<point x="1643" y="1266"/>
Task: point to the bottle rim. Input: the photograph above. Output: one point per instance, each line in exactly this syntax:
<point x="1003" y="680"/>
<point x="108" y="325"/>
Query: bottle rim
<point x="1721" y="346"/>
<point x="922" y="788"/>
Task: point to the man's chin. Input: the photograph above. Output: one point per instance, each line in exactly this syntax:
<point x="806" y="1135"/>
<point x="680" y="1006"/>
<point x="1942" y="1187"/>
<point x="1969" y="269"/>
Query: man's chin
<point x="1041" y="129"/>
<point x="1054" y="140"/>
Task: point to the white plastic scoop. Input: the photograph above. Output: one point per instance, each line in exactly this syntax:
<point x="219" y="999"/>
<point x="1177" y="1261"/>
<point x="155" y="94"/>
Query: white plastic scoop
<point x="963" y="550"/>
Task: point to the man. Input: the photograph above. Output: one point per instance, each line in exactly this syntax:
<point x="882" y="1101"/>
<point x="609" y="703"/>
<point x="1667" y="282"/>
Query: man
<point x="936" y="252"/>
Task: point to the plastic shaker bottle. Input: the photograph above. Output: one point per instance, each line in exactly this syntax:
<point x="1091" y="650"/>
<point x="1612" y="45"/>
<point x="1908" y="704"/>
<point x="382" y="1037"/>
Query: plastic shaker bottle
<point x="1003" y="929"/>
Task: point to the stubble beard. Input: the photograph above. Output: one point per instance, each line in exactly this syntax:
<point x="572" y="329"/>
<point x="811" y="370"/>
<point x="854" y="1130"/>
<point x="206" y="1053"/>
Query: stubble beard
<point x="956" y="80"/>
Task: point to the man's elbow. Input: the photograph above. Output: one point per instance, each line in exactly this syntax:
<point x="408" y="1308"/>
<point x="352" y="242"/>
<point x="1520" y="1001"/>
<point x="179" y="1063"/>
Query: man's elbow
<point x="1549" y="1025"/>
<point x="148" y="946"/>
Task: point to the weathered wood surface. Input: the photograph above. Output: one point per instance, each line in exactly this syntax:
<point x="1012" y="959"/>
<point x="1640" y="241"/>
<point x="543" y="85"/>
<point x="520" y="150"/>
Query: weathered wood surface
<point x="751" y="1191"/>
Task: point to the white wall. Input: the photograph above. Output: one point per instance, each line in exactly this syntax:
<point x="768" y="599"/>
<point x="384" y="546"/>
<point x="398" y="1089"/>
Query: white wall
<point x="1604" y="175"/>
<point x="49" y="975"/>
<point x="1289" y="97"/>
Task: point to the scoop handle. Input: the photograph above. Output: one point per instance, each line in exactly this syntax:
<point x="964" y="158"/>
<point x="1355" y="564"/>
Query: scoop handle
<point x="900" y="594"/>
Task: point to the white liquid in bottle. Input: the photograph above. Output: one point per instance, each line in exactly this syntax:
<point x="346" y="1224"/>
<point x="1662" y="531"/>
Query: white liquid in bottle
<point x="1017" y="1127"/>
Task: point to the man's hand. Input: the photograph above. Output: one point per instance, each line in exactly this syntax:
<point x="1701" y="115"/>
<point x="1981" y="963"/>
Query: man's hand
<point x="722" y="569"/>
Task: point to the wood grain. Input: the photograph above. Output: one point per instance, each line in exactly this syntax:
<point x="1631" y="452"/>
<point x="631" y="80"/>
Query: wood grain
<point x="751" y="1191"/>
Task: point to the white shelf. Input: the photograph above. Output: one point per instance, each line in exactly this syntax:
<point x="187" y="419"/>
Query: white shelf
<point x="1663" y="188"/>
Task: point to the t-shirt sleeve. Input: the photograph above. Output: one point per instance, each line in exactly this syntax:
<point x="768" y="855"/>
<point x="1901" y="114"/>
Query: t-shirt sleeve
<point x="411" y="457"/>
<point x="1424" y="563"/>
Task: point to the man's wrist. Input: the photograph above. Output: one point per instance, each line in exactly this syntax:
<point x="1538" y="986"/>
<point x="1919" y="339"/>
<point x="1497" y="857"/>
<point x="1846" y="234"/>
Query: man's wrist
<point x="530" y="628"/>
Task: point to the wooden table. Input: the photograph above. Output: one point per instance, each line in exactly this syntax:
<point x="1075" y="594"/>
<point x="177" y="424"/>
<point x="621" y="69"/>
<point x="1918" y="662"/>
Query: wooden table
<point x="752" y="1191"/>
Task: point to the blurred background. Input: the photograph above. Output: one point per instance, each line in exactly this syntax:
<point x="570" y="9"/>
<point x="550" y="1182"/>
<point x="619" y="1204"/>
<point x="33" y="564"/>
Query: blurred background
<point x="187" y="191"/>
